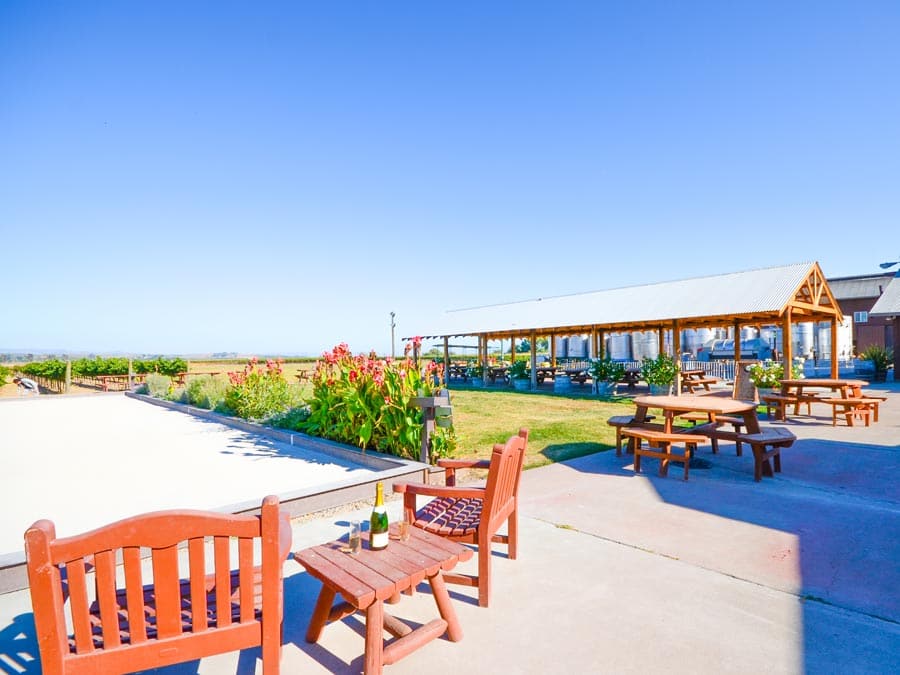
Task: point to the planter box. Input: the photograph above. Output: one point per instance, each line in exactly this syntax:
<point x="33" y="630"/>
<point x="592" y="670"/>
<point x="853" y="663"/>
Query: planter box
<point x="522" y="385"/>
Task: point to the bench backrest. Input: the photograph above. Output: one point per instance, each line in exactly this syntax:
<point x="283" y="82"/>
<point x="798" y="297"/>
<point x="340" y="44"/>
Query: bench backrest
<point x="502" y="488"/>
<point x="186" y="594"/>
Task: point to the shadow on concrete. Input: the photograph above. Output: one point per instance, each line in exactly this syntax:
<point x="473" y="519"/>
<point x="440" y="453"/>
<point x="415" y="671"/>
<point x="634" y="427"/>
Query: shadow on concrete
<point x="832" y="530"/>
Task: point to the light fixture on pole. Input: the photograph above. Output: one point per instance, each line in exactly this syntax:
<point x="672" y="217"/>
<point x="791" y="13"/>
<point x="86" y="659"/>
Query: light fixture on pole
<point x="393" y="325"/>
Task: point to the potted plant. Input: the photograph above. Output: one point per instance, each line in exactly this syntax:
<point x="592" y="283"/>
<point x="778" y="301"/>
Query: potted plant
<point x="476" y="373"/>
<point x="518" y="373"/>
<point x="881" y="359"/>
<point x="606" y="374"/>
<point x="659" y="373"/>
<point x="767" y="376"/>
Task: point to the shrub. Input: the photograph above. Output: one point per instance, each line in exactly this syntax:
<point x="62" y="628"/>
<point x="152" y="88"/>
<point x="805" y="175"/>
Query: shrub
<point x="207" y="391"/>
<point x="880" y="357"/>
<point x="4" y="373"/>
<point x="607" y="370"/>
<point x="519" y="370"/>
<point x="290" y="419"/>
<point x="768" y="375"/>
<point x="158" y="385"/>
<point x="368" y="402"/>
<point x="255" y="393"/>
<point x="659" y="371"/>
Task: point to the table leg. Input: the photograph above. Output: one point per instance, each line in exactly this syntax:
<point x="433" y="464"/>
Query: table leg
<point x="445" y="607"/>
<point x="374" y="638"/>
<point x="320" y="614"/>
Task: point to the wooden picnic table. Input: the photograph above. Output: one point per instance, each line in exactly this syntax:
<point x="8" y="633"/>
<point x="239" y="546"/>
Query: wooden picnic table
<point x="696" y="378"/>
<point x="369" y="578"/>
<point x="765" y="443"/>
<point x="797" y="392"/>
<point x="673" y="406"/>
<point x="498" y="373"/>
<point x="631" y="377"/>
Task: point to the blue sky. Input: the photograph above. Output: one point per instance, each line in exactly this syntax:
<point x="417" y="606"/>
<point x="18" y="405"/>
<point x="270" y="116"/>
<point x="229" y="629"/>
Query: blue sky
<point x="278" y="177"/>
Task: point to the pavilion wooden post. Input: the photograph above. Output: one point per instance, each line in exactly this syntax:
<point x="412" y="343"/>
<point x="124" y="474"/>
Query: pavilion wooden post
<point x="553" y="350"/>
<point x="676" y="355"/>
<point x="660" y="333"/>
<point x="512" y="349"/>
<point x="834" y="348"/>
<point x="593" y="352"/>
<point x="482" y="341"/>
<point x="533" y="340"/>
<point x="601" y="344"/>
<point x="787" y="343"/>
<point x="737" y="341"/>
<point x="446" y="359"/>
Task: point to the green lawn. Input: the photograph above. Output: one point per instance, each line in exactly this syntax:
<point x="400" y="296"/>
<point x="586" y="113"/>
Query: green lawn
<point x="560" y="427"/>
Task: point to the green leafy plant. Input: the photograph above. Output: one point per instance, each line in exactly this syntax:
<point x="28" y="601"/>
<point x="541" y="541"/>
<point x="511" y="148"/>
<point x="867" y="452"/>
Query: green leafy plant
<point x="158" y="385"/>
<point x="4" y="373"/>
<point x="257" y="393"/>
<point x="607" y="370"/>
<point x="768" y="374"/>
<point x="660" y="371"/>
<point x="476" y="370"/>
<point x="880" y="357"/>
<point x="207" y="391"/>
<point x="368" y="402"/>
<point x="519" y="370"/>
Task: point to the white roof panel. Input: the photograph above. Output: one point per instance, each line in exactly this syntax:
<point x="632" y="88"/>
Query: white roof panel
<point x="754" y="291"/>
<point x="889" y="302"/>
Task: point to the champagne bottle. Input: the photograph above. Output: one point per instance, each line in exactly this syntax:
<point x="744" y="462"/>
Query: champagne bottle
<point x="378" y="525"/>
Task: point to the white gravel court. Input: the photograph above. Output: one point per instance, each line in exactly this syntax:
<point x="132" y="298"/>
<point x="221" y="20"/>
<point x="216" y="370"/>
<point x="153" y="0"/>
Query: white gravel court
<point x="88" y="460"/>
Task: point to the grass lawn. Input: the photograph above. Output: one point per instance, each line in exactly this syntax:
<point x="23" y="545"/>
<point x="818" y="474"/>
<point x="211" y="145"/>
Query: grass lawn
<point x="560" y="427"/>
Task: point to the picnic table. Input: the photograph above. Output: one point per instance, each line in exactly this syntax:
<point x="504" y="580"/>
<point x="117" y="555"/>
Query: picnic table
<point x="498" y="373"/>
<point x="369" y="578"/>
<point x="849" y="402"/>
<point x="765" y="443"/>
<point x="631" y="377"/>
<point x="696" y="378"/>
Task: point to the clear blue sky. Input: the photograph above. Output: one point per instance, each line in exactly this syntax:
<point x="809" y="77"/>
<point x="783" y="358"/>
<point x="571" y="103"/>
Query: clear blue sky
<point x="181" y="177"/>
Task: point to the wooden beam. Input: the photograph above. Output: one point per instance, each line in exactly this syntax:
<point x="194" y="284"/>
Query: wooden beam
<point x="446" y="360"/>
<point x="737" y="341"/>
<point x="787" y="342"/>
<point x="834" y="349"/>
<point x="533" y="340"/>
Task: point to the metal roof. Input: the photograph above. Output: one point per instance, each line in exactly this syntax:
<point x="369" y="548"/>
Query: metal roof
<point x="867" y="286"/>
<point x="889" y="302"/>
<point x="755" y="292"/>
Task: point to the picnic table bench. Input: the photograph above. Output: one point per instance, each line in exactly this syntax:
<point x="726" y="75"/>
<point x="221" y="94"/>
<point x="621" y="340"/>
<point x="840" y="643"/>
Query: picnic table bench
<point x="660" y="445"/>
<point x="765" y="445"/>
<point x="696" y="379"/>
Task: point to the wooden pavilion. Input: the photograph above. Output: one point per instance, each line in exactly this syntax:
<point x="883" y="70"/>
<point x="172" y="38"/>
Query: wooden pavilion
<point x="781" y="296"/>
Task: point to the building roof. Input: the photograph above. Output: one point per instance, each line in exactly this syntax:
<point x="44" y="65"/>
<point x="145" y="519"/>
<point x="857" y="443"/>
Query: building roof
<point x="761" y="295"/>
<point x="863" y="286"/>
<point x="889" y="302"/>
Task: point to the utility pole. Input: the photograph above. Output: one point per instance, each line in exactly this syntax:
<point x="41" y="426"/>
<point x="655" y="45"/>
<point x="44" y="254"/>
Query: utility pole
<point x="393" y="325"/>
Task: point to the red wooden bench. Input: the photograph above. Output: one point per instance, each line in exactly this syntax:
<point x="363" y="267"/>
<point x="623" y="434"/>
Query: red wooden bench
<point x="167" y="610"/>
<point x="663" y="443"/>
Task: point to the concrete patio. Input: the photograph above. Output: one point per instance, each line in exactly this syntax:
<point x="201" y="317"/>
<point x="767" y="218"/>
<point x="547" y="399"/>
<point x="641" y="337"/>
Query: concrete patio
<point x="624" y="573"/>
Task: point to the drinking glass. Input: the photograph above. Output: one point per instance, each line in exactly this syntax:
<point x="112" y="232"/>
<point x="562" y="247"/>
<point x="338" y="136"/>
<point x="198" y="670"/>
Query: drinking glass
<point x="353" y="538"/>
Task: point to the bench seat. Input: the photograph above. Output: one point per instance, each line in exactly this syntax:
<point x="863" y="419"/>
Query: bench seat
<point x="620" y="421"/>
<point x="663" y="443"/>
<point x="780" y="402"/>
<point x="853" y="408"/>
<point x="716" y="433"/>
<point x="765" y="445"/>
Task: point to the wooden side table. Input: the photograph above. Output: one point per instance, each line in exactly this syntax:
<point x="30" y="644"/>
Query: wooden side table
<point x="367" y="579"/>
